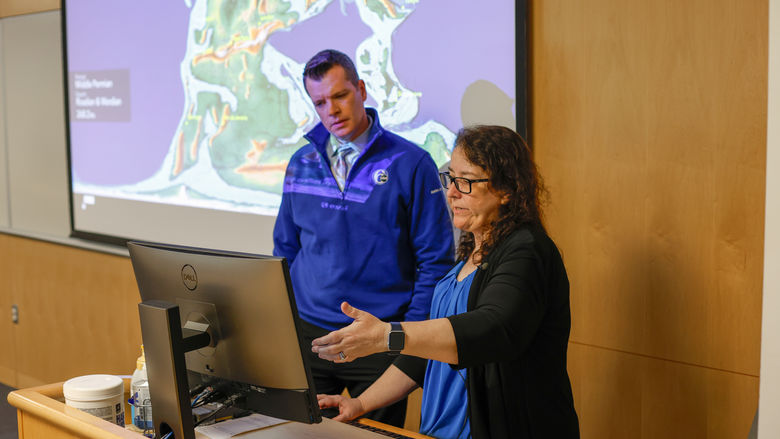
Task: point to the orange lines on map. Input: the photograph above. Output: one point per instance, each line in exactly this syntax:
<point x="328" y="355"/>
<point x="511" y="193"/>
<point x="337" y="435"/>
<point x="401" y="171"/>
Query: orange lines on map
<point x="253" y="6"/>
<point x="214" y="117"/>
<point x="389" y="6"/>
<point x="195" y="141"/>
<point x="257" y="150"/>
<point x="257" y="38"/>
<point x="222" y="123"/>
<point x="244" y="68"/>
<point x="261" y="173"/>
<point x="178" y="161"/>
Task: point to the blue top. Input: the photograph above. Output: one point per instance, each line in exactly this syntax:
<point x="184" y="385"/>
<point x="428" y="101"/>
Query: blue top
<point x="445" y="405"/>
<point x="381" y="244"/>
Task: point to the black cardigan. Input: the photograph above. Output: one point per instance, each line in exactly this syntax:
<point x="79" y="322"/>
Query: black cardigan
<point x="512" y="342"/>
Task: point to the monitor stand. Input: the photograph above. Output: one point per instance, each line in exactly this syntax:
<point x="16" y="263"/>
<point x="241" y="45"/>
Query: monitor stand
<point x="165" y="343"/>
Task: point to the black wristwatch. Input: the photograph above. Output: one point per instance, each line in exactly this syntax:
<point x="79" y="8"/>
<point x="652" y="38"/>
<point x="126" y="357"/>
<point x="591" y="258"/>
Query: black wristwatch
<point x="396" y="338"/>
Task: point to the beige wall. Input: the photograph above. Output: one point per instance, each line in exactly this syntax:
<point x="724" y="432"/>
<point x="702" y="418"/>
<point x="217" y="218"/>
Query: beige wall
<point x="649" y="124"/>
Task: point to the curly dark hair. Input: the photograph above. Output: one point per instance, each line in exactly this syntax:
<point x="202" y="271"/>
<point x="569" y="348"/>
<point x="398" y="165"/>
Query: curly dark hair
<point x="506" y="158"/>
<point x="323" y="61"/>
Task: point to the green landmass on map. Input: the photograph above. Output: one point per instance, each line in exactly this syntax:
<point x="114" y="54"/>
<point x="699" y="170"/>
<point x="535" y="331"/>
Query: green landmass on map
<point x="248" y="135"/>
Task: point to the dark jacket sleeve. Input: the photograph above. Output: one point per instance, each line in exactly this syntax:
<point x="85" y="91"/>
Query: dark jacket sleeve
<point x="508" y="310"/>
<point x="413" y="367"/>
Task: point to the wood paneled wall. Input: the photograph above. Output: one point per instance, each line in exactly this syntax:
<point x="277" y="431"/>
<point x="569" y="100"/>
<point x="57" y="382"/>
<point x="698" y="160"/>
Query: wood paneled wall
<point x="649" y="125"/>
<point x="19" y="7"/>
<point x="78" y="313"/>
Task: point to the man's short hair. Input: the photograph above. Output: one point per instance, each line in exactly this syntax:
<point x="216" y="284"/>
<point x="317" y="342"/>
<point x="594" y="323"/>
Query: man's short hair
<point x="324" y="60"/>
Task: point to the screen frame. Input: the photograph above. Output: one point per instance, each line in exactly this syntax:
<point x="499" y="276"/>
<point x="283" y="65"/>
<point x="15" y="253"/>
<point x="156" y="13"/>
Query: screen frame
<point x="522" y="113"/>
<point x="143" y="253"/>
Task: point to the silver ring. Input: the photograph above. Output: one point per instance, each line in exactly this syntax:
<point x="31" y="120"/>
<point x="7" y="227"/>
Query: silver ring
<point x="342" y="356"/>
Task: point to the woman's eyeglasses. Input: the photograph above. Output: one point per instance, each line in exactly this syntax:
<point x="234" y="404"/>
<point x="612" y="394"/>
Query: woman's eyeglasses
<point x="462" y="184"/>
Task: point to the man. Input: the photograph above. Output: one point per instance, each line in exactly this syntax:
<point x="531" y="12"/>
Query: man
<point x="363" y="219"/>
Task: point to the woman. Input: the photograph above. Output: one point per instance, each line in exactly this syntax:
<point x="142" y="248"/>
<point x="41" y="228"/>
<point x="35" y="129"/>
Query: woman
<point x="502" y="313"/>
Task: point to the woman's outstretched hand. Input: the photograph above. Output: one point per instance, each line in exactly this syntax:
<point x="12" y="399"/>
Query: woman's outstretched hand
<point x="366" y="335"/>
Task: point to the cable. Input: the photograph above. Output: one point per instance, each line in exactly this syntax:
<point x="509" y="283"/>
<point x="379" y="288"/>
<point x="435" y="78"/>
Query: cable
<point x="209" y="394"/>
<point x="200" y="395"/>
<point x="199" y="388"/>
<point x="228" y="402"/>
<point x="212" y="415"/>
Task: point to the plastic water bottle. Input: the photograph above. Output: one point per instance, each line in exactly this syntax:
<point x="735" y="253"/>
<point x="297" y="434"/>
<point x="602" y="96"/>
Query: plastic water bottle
<point x="140" y="402"/>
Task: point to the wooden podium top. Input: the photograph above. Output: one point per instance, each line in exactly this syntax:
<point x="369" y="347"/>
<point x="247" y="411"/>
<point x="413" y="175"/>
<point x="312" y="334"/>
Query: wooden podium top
<point x="42" y="413"/>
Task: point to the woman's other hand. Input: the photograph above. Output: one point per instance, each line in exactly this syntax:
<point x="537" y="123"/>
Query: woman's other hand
<point x="349" y="408"/>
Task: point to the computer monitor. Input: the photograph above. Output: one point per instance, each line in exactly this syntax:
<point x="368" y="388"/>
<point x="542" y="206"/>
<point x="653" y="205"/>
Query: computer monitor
<point x="245" y="303"/>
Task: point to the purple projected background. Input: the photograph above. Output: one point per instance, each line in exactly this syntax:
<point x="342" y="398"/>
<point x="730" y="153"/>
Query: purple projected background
<point x="441" y="49"/>
<point x="150" y="42"/>
<point x="438" y="51"/>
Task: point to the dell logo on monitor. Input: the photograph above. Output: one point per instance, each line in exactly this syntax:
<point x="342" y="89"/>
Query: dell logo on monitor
<point x="189" y="277"/>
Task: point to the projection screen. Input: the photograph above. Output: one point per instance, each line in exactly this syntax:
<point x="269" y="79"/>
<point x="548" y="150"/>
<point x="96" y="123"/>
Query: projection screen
<point x="182" y="114"/>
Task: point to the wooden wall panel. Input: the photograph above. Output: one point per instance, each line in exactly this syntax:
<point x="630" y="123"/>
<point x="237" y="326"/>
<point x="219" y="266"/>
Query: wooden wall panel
<point x="7" y="345"/>
<point x="78" y="312"/>
<point x="5" y="214"/>
<point x="607" y="388"/>
<point x="620" y="395"/>
<point x="706" y="151"/>
<point x="690" y="402"/>
<point x="19" y="7"/>
<point x="649" y="126"/>
<point x="413" y="405"/>
<point x="588" y="129"/>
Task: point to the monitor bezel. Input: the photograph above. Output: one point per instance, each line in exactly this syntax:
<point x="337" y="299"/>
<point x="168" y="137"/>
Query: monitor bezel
<point x="281" y="398"/>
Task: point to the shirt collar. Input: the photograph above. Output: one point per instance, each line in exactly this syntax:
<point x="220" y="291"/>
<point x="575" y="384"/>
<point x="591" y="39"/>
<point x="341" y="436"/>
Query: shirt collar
<point x="360" y="142"/>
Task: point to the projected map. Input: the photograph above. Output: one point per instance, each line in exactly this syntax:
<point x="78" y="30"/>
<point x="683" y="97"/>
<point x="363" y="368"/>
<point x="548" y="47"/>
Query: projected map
<point x="242" y="109"/>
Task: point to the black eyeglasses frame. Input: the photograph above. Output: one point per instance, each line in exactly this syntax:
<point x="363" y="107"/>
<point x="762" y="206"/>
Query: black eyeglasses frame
<point x="445" y="178"/>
